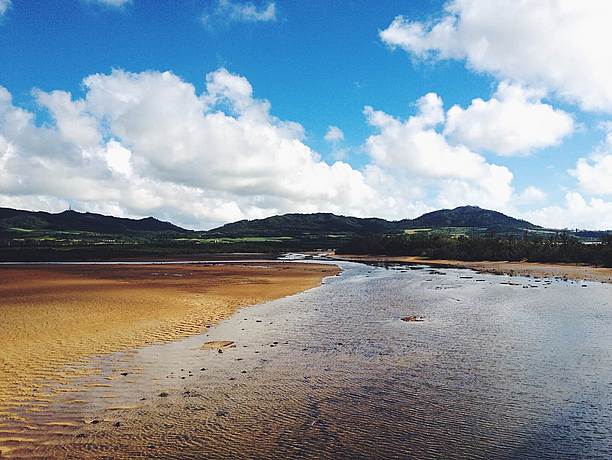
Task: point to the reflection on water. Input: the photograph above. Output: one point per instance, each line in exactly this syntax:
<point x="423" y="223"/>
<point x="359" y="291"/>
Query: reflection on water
<point x="501" y="367"/>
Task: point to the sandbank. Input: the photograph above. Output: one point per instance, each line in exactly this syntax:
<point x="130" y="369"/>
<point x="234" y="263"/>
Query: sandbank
<point x="54" y="318"/>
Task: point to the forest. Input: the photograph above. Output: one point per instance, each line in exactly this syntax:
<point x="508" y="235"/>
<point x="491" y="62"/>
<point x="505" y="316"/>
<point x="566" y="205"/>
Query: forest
<point x="559" y="247"/>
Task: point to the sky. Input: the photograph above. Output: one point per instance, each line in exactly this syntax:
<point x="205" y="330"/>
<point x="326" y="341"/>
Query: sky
<point x="203" y="112"/>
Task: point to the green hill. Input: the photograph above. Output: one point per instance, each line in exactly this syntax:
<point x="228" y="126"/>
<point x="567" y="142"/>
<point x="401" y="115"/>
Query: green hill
<point x="470" y="216"/>
<point x="72" y="221"/>
<point x="329" y="224"/>
<point x="299" y="224"/>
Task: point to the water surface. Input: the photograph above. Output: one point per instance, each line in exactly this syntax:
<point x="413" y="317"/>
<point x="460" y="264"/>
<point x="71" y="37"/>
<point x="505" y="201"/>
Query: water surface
<point x="501" y="367"/>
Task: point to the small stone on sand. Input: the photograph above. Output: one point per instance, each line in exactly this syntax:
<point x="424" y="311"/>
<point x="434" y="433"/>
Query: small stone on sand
<point x="219" y="344"/>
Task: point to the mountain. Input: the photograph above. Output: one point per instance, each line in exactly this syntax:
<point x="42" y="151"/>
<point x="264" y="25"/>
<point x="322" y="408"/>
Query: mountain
<point x="326" y="223"/>
<point x="284" y="225"/>
<point x="470" y="216"/>
<point x="82" y="222"/>
<point x="299" y="224"/>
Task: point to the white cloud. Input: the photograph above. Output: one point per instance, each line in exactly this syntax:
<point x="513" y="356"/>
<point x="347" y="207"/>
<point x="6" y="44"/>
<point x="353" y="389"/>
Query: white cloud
<point x="140" y="144"/>
<point x="594" y="174"/>
<point x="4" y="6"/>
<point x="576" y="212"/>
<point x="334" y="135"/>
<point x="111" y="3"/>
<point x="146" y="143"/>
<point x="416" y="152"/>
<point x="228" y="11"/>
<point x="529" y="196"/>
<point x="513" y="122"/>
<point x="560" y="45"/>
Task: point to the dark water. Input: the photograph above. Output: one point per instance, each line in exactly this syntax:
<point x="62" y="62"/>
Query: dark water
<point x="495" y="371"/>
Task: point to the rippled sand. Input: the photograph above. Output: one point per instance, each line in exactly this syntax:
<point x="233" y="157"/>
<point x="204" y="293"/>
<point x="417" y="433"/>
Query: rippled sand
<point x="500" y="368"/>
<point x="55" y="318"/>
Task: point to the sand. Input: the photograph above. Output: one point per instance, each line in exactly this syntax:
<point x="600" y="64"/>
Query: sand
<point x="535" y="269"/>
<point x="53" y="319"/>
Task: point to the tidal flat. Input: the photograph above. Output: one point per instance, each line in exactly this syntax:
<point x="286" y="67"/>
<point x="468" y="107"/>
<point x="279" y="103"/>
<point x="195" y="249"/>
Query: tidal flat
<point x="56" y="317"/>
<point x="499" y="367"/>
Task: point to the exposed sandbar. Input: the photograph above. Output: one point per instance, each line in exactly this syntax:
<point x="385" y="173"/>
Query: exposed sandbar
<point x="54" y="318"/>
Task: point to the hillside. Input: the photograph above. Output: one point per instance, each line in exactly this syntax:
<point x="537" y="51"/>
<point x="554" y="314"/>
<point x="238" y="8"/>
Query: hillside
<point x="299" y="224"/>
<point x="326" y="223"/>
<point x="470" y="216"/>
<point x="70" y="235"/>
<point x="72" y="221"/>
<point x="283" y="225"/>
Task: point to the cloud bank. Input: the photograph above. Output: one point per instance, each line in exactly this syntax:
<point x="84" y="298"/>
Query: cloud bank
<point x="145" y="143"/>
<point x="513" y="122"/>
<point x="560" y="45"/>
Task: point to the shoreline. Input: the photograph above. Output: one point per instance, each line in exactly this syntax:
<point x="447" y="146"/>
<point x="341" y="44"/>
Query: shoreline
<point x="575" y="272"/>
<point x="56" y="318"/>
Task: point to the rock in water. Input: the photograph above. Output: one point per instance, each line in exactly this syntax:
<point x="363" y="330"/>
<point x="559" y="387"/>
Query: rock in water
<point x="412" y="318"/>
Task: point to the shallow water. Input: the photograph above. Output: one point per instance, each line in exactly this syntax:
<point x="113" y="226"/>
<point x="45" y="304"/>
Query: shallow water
<point x="496" y="370"/>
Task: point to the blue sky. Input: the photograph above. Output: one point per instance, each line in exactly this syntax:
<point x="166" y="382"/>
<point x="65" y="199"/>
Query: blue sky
<point x="311" y="73"/>
<point x="318" y="64"/>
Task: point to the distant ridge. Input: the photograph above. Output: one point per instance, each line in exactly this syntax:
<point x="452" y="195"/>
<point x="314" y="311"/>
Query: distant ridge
<point x="291" y="224"/>
<point x="318" y="223"/>
<point x="283" y="225"/>
<point x="470" y="216"/>
<point x="81" y="221"/>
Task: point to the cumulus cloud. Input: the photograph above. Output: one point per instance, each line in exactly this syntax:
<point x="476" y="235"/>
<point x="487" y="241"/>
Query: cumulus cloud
<point x="137" y="144"/>
<point x="576" y="212"/>
<point x="4" y="6"/>
<point x="513" y="122"/>
<point x="146" y="143"/>
<point x="529" y="196"/>
<point x="334" y="134"/>
<point x="416" y="152"/>
<point x="560" y="45"/>
<point x="594" y="174"/>
<point x="228" y="11"/>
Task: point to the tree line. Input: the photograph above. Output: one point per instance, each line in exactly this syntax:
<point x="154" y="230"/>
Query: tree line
<point x="556" y="248"/>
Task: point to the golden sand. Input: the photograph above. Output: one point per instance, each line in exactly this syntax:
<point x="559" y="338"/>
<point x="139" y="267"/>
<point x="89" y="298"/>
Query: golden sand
<point x="53" y="319"/>
<point x="543" y="270"/>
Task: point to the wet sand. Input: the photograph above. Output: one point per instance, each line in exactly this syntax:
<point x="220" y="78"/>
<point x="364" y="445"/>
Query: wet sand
<point x="534" y="269"/>
<point x="54" y="319"/>
<point x="495" y="370"/>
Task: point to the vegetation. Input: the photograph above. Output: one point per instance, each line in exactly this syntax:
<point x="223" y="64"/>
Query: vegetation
<point x="560" y="247"/>
<point x="81" y="221"/>
<point x="49" y="245"/>
<point x="467" y="233"/>
<point x="326" y="223"/>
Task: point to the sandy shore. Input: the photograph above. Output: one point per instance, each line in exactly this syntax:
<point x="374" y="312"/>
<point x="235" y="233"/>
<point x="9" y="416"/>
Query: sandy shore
<point x="54" y="318"/>
<point x="567" y="271"/>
